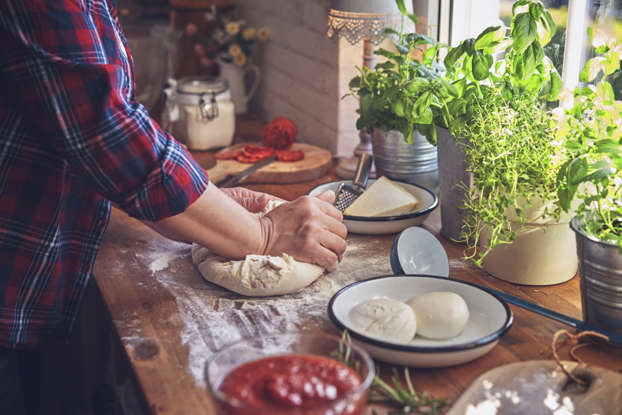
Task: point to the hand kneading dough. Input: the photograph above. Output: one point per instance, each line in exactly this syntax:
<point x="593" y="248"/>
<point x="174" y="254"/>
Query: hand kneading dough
<point x="440" y="314"/>
<point x="256" y="275"/>
<point x="384" y="319"/>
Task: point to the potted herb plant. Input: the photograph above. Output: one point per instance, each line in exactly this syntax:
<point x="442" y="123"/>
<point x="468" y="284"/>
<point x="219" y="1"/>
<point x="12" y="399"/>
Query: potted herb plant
<point x="398" y="100"/>
<point x="504" y="131"/>
<point x="590" y="122"/>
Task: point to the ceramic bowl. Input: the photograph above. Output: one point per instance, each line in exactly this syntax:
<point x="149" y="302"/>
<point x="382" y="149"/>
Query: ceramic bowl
<point x="254" y="348"/>
<point x="428" y="201"/>
<point x="489" y="318"/>
<point x="416" y="251"/>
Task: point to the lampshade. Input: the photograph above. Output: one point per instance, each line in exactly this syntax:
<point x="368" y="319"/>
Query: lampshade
<point x="359" y="19"/>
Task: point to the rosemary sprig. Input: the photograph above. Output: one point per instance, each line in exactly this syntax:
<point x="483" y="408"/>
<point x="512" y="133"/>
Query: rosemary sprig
<point x="406" y="398"/>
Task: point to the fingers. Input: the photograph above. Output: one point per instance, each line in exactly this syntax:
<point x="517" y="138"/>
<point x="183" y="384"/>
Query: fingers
<point x="327" y="196"/>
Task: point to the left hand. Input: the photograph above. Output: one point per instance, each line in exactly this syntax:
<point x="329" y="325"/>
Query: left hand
<point x="249" y="199"/>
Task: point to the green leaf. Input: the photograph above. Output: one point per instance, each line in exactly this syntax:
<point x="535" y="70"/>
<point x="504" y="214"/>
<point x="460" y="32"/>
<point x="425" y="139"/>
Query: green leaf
<point x="398" y="108"/>
<point x="481" y="65"/>
<point x="577" y="171"/>
<point x="401" y="6"/>
<point x="355" y="82"/>
<point x="599" y="170"/>
<point x="518" y="4"/>
<point x="453" y="55"/>
<point x="490" y="37"/>
<point x="386" y="53"/>
<point x="556" y="86"/>
<point x="524" y="32"/>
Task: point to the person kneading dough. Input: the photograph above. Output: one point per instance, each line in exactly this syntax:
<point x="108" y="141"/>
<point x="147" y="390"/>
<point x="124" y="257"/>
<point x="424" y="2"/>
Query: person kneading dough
<point x="256" y="275"/>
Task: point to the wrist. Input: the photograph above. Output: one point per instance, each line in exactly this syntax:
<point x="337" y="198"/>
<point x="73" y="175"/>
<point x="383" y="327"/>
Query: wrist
<point x="266" y="226"/>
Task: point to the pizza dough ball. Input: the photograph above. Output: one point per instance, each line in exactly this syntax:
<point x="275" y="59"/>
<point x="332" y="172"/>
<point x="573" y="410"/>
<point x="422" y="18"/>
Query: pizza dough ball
<point x="440" y="314"/>
<point x="256" y="275"/>
<point x="384" y="319"/>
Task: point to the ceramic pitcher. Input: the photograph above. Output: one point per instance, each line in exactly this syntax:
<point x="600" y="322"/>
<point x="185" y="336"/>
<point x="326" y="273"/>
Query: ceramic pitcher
<point x="236" y="75"/>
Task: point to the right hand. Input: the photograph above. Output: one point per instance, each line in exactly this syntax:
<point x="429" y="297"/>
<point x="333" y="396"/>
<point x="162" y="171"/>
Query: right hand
<point x="310" y="229"/>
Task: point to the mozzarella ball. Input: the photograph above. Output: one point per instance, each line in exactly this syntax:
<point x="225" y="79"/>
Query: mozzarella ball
<point x="440" y="315"/>
<point x="384" y="319"/>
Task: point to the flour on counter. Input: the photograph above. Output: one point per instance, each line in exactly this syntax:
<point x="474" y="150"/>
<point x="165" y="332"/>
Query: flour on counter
<point x="213" y="317"/>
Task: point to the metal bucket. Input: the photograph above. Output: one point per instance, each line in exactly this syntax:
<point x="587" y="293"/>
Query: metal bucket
<point x="600" y="270"/>
<point x="414" y="163"/>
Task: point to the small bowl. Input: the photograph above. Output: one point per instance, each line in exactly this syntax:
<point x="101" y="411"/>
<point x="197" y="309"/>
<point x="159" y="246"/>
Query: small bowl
<point x="301" y="343"/>
<point x="417" y="251"/>
<point x="428" y="201"/>
<point x="489" y="318"/>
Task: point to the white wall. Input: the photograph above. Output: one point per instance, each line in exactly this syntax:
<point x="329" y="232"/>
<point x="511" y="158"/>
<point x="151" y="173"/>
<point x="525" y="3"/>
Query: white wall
<point x="299" y="66"/>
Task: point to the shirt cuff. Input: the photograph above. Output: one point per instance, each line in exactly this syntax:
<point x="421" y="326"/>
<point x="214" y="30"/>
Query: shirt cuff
<point x="171" y="188"/>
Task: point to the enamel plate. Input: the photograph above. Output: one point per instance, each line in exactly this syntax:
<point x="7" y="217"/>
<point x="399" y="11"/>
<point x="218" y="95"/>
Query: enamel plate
<point x="386" y="224"/>
<point x="489" y="318"/>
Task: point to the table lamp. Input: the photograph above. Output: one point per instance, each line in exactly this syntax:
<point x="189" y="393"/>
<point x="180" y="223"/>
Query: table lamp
<point x="364" y="20"/>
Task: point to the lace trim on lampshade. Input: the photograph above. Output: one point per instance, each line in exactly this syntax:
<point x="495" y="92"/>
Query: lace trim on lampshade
<point x="357" y="26"/>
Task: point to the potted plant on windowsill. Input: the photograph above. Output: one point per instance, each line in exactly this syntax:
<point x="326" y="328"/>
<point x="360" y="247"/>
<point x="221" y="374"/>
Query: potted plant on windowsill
<point x="591" y="125"/>
<point x="399" y="98"/>
<point x="503" y="128"/>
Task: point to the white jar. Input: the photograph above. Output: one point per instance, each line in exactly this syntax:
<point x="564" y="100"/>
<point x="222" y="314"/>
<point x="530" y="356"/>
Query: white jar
<point x="200" y="112"/>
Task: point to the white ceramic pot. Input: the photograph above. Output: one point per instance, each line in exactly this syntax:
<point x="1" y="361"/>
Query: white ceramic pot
<point x="236" y="77"/>
<point x="543" y="253"/>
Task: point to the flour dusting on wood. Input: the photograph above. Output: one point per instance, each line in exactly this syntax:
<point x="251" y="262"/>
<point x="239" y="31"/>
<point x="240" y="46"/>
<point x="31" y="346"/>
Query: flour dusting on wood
<point x="213" y="317"/>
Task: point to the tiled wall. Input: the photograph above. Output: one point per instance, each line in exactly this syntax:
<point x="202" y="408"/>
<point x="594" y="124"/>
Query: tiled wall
<point x="301" y="71"/>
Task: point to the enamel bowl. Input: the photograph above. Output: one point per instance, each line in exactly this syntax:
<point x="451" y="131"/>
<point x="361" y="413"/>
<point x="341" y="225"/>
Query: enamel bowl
<point x="489" y="318"/>
<point x="428" y="201"/>
<point x="416" y="251"/>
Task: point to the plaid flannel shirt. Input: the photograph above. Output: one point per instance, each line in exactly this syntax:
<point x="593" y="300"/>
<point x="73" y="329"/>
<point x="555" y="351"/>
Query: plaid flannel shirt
<point x="71" y="139"/>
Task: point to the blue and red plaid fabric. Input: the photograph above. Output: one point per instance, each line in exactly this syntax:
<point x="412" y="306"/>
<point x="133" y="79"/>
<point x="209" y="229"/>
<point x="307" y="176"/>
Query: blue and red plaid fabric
<point x="71" y="139"/>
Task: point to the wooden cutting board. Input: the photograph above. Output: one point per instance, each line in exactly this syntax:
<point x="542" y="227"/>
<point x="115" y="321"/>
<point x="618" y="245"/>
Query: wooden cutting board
<point x="317" y="162"/>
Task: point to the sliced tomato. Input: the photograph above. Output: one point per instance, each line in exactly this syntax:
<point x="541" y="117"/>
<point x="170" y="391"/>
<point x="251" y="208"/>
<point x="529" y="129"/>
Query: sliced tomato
<point x="253" y="149"/>
<point x="245" y="159"/>
<point x="290" y="155"/>
<point x="227" y="155"/>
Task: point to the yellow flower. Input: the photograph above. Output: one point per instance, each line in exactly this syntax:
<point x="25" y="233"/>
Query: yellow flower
<point x="249" y="33"/>
<point x="263" y="33"/>
<point x="232" y="28"/>
<point x="240" y="59"/>
<point x="235" y="50"/>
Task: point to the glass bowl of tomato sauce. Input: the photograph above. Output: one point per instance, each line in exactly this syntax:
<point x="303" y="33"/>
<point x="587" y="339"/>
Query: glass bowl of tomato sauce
<point x="305" y="373"/>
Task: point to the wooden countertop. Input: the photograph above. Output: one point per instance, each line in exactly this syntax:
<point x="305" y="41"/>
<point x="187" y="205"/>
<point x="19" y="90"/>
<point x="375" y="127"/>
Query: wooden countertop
<point x="170" y="320"/>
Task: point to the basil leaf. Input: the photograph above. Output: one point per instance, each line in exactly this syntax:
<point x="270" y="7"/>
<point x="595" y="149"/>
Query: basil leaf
<point x="490" y="37"/>
<point x="524" y="32"/>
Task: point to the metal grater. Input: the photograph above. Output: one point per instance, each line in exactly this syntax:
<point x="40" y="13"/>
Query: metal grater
<point x="347" y="193"/>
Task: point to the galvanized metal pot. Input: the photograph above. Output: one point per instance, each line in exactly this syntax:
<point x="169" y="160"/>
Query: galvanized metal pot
<point x="414" y="163"/>
<point x="600" y="270"/>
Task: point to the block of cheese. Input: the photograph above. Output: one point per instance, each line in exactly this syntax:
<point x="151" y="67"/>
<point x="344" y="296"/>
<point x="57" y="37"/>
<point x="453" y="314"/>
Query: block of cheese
<point x="383" y="198"/>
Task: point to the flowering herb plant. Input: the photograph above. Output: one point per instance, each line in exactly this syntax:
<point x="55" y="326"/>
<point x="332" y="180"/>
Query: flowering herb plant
<point x="590" y="124"/>
<point x="229" y="39"/>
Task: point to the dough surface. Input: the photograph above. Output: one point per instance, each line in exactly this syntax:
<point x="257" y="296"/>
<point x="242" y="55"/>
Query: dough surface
<point x="256" y="275"/>
<point x="384" y="319"/>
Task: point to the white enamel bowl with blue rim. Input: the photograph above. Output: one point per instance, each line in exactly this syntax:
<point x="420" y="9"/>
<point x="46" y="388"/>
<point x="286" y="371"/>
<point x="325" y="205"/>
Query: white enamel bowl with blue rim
<point x="428" y="201"/>
<point x="417" y="251"/>
<point x="489" y="318"/>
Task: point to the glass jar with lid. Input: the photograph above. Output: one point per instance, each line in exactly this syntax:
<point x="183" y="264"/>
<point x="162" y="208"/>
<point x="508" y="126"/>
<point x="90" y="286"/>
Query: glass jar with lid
<point x="200" y="112"/>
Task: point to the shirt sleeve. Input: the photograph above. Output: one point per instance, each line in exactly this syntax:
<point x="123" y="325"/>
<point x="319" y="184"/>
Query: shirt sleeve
<point x="67" y="73"/>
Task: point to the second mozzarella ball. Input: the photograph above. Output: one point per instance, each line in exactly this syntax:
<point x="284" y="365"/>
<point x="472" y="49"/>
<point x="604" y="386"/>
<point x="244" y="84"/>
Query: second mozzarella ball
<point x="440" y="314"/>
<point x="384" y="319"/>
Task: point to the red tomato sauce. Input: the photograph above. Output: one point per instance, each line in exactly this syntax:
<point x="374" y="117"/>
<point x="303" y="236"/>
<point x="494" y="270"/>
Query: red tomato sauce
<point x="303" y="384"/>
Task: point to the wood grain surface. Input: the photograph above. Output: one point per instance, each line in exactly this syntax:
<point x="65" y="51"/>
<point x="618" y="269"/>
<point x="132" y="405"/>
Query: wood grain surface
<point x="316" y="163"/>
<point x="170" y="321"/>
